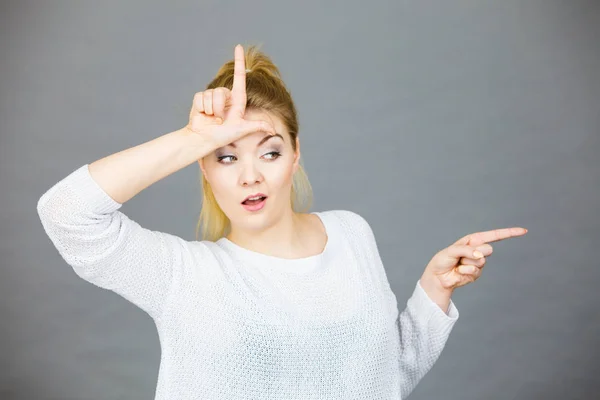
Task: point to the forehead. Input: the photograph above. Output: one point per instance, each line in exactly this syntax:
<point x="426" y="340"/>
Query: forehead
<point x="255" y="115"/>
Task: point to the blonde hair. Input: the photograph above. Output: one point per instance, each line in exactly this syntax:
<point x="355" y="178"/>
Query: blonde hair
<point x="265" y="91"/>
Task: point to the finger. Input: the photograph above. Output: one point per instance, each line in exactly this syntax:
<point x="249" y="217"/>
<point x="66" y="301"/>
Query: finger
<point x="472" y="261"/>
<point x="198" y="104"/>
<point x="200" y="120"/>
<point x="207" y="98"/>
<point x="469" y="270"/>
<point x="458" y="251"/>
<point x="219" y="99"/>
<point x="491" y="236"/>
<point x="238" y="90"/>
<point x="499" y="234"/>
<point x="486" y="249"/>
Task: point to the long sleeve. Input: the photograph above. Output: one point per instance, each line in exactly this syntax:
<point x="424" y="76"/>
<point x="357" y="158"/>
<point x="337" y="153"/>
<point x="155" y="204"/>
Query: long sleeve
<point x="423" y="327"/>
<point x="423" y="330"/>
<point x="104" y="246"/>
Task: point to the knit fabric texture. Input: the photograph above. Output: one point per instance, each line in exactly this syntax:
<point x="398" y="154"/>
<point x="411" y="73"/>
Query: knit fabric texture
<point x="238" y="324"/>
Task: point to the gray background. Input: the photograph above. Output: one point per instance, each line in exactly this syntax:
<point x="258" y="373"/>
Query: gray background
<point x="431" y="119"/>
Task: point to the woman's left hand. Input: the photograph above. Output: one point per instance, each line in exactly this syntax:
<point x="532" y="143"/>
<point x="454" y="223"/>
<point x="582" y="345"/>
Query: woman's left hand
<point x="456" y="265"/>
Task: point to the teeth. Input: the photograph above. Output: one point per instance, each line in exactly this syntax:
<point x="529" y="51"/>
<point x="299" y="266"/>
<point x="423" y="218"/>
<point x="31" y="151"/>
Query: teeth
<point x="254" y="198"/>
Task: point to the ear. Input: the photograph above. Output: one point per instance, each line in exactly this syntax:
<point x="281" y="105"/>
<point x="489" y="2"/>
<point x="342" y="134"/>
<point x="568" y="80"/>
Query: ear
<point x="201" y="164"/>
<point x="297" y="155"/>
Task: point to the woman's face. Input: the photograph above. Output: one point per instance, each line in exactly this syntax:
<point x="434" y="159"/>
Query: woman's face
<point x="253" y="166"/>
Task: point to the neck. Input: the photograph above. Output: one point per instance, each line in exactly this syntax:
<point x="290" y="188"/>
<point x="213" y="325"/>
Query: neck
<point x="281" y="239"/>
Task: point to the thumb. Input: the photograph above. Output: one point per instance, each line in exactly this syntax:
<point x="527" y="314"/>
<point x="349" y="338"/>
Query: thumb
<point x="247" y="127"/>
<point x="230" y="132"/>
<point x="458" y="251"/>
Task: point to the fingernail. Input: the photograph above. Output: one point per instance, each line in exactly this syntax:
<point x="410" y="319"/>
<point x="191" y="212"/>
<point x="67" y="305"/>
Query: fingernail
<point x="477" y="254"/>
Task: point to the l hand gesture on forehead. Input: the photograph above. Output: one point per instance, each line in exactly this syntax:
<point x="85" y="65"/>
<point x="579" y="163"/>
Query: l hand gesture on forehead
<point x="463" y="261"/>
<point x="217" y="115"/>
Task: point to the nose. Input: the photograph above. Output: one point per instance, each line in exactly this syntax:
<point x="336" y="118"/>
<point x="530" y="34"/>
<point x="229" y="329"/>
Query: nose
<point x="250" y="174"/>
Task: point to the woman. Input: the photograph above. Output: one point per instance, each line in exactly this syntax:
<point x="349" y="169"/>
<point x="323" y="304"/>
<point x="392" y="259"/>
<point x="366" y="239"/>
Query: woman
<point x="272" y="303"/>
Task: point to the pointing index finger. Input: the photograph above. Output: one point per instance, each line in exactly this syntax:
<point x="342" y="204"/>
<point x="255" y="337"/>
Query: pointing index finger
<point x="238" y="91"/>
<point x="496" y="235"/>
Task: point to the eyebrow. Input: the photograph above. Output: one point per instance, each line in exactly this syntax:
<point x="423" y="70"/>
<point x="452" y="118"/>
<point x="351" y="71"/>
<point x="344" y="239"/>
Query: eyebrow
<point x="264" y="139"/>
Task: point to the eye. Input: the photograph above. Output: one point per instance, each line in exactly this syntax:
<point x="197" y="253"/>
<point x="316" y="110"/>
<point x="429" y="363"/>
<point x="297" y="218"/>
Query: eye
<point x="276" y="155"/>
<point x="220" y="159"/>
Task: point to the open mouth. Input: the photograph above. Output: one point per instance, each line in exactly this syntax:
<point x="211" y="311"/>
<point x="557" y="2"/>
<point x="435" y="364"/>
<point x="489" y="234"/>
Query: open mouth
<point x="254" y="205"/>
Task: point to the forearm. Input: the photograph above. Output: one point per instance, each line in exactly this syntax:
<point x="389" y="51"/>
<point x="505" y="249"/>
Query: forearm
<point x="424" y="327"/>
<point x="124" y="174"/>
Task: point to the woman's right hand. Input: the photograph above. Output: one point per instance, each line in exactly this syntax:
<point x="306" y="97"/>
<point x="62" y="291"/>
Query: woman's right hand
<point x="217" y="115"/>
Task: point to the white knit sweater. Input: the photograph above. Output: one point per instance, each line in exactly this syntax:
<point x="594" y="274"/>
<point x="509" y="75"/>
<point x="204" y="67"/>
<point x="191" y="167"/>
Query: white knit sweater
<point x="237" y="324"/>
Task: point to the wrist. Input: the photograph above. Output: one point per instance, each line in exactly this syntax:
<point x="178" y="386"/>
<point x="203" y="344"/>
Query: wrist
<point x="194" y="146"/>
<point x="434" y="284"/>
<point x="435" y="291"/>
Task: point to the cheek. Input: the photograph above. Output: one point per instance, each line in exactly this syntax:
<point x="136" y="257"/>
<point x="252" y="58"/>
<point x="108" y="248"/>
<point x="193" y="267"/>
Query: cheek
<point x="222" y="182"/>
<point x="280" y="176"/>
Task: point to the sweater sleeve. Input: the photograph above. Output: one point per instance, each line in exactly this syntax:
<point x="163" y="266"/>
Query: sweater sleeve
<point x="423" y="330"/>
<point x="423" y="327"/>
<point x="104" y="246"/>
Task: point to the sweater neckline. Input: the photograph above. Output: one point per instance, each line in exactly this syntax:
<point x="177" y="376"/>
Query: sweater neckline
<point x="286" y="265"/>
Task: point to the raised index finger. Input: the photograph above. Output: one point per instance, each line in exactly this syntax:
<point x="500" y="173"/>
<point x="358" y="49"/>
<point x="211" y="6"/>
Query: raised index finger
<point x="238" y="91"/>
